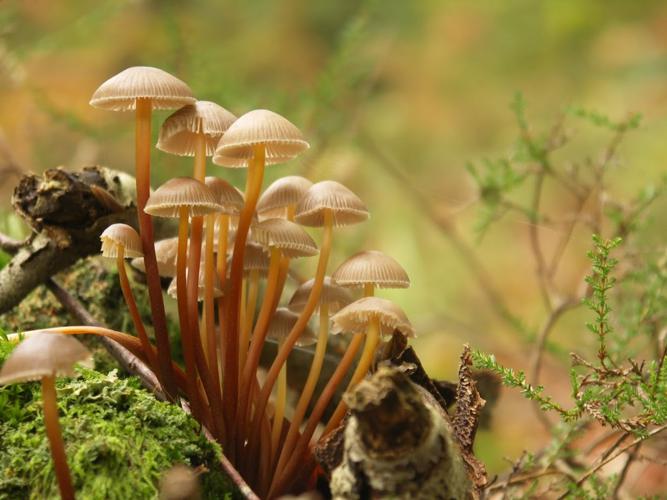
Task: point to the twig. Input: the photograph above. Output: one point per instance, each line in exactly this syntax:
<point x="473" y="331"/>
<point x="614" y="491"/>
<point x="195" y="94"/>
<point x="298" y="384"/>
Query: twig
<point x="128" y="361"/>
<point x="618" y="453"/>
<point x="10" y="245"/>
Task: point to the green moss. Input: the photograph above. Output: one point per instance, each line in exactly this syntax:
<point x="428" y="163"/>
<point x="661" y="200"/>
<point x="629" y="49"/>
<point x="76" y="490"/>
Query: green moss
<point x="119" y="440"/>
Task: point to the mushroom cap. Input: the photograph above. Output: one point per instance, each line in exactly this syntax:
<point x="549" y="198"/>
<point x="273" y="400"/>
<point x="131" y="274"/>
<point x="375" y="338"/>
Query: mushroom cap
<point x="43" y="354"/>
<point x="255" y="258"/>
<point x="178" y="192"/>
<point x="282" y="140"/>
<point x="281" y="325"/>
<point x="373" y="268"/>
<point x="226" y="195"/>
<point x="356" y="317"/>
<point x="292" y="240"/>
<point x="180" y="483"/>
<point x="120" y="92"/>
<point x="217" y="292"/>
<point x="282" y="193"/>
<point x="117" y="235"/>
<point x="335" y="296"/>
<point x="179" y="132"/>
<point x="346" y="206"/>
<point x="165" y="253"/>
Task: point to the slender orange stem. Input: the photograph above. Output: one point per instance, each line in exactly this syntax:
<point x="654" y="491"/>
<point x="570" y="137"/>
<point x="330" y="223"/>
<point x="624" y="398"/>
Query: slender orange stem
<point x="294" y="334"/>
<point x="221" y="269"/>
<point x="281" y="396"/>
<point x="367" y="355"/>
<point x="187" y="341"/>
<point x="251" y="305"/>
<point x="134" y="311"/>
<point x="283" y="477"/>
<point x="52" y="424"/>
<point x="254" y="185"/>
<point x="257" y="342"/>
<point x="143" y="178"/>
<point x="308" y="388"/>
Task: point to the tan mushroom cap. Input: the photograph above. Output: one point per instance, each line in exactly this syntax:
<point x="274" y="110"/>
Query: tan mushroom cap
<point x="226" y="195"/>
<point x="166" y="251"/>
<point x="281" y="325"/>
<point x="121" y="235"/>
<point x="346" y="206"/>
<point x="120" y="92"/>
<point x="336" y="297"/>
<point x="255" y="258"/>
<point x="373" y="268"/>
<point x="217" y="292"/>
<point x="282" y="140"/>
<point x="356" y="317"/>
<point x="170" y="197"/>
<point x="41" y="355"/>
<point x="180" y="483"/>
<point x="292" y="240"/>
<point x="282" y="193"/>
<point x="178" y="133"/>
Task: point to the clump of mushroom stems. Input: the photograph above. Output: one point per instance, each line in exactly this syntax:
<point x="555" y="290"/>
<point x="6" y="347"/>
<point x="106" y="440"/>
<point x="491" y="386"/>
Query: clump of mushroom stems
<point x="222" y="353"/>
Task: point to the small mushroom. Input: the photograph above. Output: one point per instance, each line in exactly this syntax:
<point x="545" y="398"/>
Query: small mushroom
<point x="166" y="251"/>
<point x="281" y="198"/>
<point x="120" y="241"/>
<point x="43" y="356"/>
<point x="182" y="198"/>
<point x="180" y="483"/>
<point x="142" y="89"/>
<point x="258" y="138"/>
<point x="369" y="270"/>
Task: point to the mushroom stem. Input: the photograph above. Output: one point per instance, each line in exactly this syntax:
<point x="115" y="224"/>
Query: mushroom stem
<point x="221" y="269"/>
<point x="253" y="187"/>
<point x="251" y="304"/>
<point x="281" y="396"/>
<point x="296" y="331"/>
<point x="367" y="355"/>
<point x="257" y="342"/>
<point x="55" y="437"/>
<point x="143" y="179"/>
<point x="309" y="386"/>
<point x="134" y="311"/>
<point x="283" y="476"/>
<point x="209" y="312"/>
<point x="187" y="340"/>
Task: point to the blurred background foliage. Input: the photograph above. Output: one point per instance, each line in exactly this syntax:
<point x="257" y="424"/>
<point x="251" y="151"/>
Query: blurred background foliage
<point x="396" y="98"/>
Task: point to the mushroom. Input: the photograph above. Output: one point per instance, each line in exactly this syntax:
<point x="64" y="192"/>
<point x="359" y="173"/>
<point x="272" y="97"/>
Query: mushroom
<point x="184" y="197"/>
<point x="166" y="251"/>
<point x="377" y="317"/>
<point x="180" y="483"/>
<point x="332" y="299"/>
<point x="43" y="356"/>
<point x="194" y="130"/>
<point x="257" y="138"/>
<point x="285" y="240"/>
<point x="142" y="89"/>
<point x="327" y="204"/>
<point x="281" y="324"/>
<point x="371" y="269"/>
<point x="120" y="241"/>
<point x="281" y="198"/>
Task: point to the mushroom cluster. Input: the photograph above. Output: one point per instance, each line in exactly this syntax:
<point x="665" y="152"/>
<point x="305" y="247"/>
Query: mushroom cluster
<point x="232" y="253"/>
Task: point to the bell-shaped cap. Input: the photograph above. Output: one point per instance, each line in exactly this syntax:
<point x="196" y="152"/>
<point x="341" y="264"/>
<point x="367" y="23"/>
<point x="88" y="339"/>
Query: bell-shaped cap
<point x="345" y="206"/>
<point x="357" y="316"/>
<point x="179" y="192"/>
<point x="165" y="253"/>
<point x="43" y="354"/>
<point x="281" y="325"/>
<point x="371" y="268"/>
<point x="292" y="240"/>
<point x="121" y="235"/>
<point x="281" y="194"/>
<point x="336" y="297"/>
<point x="178" y="133"/>
<point x="180" y="483"/>
<point x="255" y="258"/>
<point x="120" y="92"/>
<point x="281" y="139"/>
<point x="217" y="292"/>
<point x="226" y="195"/>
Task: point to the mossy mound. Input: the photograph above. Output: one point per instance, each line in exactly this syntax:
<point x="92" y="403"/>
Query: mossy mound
<point x="119" y="440"/>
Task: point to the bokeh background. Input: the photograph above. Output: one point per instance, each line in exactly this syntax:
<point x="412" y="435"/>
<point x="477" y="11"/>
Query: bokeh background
<point x="396" y="98"/>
